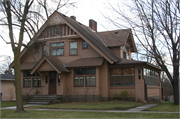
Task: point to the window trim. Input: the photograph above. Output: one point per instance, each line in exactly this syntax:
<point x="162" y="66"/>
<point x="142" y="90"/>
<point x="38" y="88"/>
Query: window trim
<point x="90" y="85"/>
<point x="78" y="79"/>
<point x="87" y="45"/>
<point x="56" y="48"/>
<point x="122" y="77"/>
<point x="27" y="82"/>
<point x="84" y="77"/>
<point x="37" y="82"/>
<point x="70" y="49"/>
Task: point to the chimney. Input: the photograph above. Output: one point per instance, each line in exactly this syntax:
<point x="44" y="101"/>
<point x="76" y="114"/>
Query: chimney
<point x="73" y="17"/>
<point x="93" y="25"/>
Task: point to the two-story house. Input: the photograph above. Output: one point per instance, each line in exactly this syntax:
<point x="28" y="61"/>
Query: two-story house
<point x="70" y="59"/>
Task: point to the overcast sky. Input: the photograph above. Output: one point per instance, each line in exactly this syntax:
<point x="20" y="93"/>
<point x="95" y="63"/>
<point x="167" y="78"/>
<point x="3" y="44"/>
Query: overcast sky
<point x="84" y="10"/>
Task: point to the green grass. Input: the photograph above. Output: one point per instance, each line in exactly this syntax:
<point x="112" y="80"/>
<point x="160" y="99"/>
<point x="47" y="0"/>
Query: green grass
<point x="165" y="107"/>
<point x="9" y="103"/>
<point x="65" y="114"/>
<point x="122" y="105"/>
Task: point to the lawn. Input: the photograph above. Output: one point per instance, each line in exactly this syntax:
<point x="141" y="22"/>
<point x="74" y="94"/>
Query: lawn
<point x="65" y="114"/>
<point x="116" y="105"/>
<point x="165" y="107"/>
<point x="9" y="103"/>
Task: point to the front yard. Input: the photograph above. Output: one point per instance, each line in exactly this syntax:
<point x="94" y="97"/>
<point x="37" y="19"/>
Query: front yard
<point x="116" y="105"/>
<point x="9" y="103"/>
<point x="113" y="105"/>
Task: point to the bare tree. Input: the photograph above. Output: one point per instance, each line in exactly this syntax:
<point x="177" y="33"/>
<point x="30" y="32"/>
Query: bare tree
<point x="23" y="17"/>
<point x="156" y="25"/>
<point x="4" y="65"/>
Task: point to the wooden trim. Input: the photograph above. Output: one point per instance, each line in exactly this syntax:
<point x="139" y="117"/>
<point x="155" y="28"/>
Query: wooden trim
<point x="90" y="76"/>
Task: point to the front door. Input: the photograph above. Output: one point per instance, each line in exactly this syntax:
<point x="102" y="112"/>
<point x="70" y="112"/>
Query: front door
<point x="52" y="82"/>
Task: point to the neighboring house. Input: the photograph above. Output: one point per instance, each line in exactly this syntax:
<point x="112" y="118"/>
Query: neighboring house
<point x="70" y="59"/>
<point x="7" y="87"/>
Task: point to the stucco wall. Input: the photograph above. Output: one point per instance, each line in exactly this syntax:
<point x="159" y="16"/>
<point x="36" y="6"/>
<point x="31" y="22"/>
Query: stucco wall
<point x="8" y="90"/>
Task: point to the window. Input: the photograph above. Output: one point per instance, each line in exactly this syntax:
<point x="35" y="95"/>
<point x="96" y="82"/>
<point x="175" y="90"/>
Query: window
<point x="78" y="81"/>
<point x="126" y="52"/>
<point x="122" y="77"/>
<point x="73" y="48"/>
<point x="139" y="72"/>
<point x="43" y="50"/>
<point x="59" y="79"/>
<point x="57" y="48"/>
<point x="84" y="45"/>
<point x="116" y="77"/>
<point x="151" y="77"/>
<point x="27" y="78"/>
<point x="36" y="82"/>
<point x="128" y="76"/>
<point x="90" y="81"/>
<point x="27" y="82"/>
<point x="87" y="74"/>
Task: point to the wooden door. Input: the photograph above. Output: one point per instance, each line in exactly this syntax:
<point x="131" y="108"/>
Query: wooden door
<point x="52" y="82"/>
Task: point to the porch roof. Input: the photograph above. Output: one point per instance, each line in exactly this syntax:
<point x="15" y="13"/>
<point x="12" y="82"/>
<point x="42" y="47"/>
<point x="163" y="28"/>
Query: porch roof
<point x="96" y="61"/>
<point x="53" y="61"/>
<point x="131" y="62"/>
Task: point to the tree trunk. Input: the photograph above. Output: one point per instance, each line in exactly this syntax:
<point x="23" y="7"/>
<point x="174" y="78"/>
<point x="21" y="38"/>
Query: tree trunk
<point x="19" y="100"/>
<point x="176" y="91"/>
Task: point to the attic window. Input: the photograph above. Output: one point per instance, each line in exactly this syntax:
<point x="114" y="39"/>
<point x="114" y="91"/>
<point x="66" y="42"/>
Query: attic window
<point x="55" y="17"/>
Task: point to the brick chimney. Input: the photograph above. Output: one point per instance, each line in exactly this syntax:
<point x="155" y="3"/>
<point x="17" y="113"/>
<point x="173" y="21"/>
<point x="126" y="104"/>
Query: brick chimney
<point x="73" y="17"/>
<point x="93" y="25"/>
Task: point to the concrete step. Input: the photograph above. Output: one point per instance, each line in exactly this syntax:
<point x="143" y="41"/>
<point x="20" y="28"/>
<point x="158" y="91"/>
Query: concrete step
<point x="34" y="100"/>
<point x="38" y="103"/>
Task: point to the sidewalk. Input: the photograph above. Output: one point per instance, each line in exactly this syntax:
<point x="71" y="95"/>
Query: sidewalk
<point x="136" y="109"/>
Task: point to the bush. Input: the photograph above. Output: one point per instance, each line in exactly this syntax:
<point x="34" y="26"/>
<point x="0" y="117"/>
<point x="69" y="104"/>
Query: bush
<point x="124" y="94"/>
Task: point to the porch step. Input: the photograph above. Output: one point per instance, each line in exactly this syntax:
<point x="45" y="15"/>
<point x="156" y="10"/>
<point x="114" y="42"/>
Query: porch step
<point x="44" y="99"/>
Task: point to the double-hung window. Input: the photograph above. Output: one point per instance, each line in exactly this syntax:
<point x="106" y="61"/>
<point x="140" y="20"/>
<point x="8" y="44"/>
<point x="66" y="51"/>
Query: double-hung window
<point x="57" y="48"/>
<point x="31" y="79"/>
<point x="125" y="52"/>
<point x="73" y="48"/>
<point x="87" y="75"/>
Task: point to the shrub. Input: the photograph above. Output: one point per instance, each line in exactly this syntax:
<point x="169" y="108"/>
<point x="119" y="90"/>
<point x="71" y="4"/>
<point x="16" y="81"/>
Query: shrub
<point x="124" y="94"/>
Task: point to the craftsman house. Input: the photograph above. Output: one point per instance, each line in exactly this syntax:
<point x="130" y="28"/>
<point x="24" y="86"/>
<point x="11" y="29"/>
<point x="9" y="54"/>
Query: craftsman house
<point x="78" y="63"/>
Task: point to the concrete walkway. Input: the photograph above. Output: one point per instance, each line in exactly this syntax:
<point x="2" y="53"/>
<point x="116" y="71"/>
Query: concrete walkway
<point x="136" y="109"/>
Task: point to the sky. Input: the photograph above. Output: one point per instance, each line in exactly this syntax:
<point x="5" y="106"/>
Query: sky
<point x="83" y="11"/>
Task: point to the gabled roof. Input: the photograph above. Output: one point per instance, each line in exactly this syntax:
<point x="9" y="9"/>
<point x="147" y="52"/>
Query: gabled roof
<point x="118" y="38"/>
<point x="53" y="61"/>
<point x="91" y="38"/>
<point x="84" y="62"/>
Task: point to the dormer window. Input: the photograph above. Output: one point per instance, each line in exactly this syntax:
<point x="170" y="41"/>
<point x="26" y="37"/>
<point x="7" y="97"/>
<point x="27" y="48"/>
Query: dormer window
<point x="126" y="52"/>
